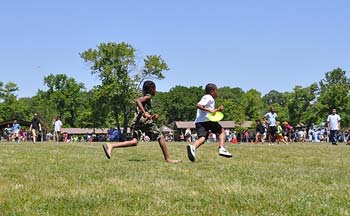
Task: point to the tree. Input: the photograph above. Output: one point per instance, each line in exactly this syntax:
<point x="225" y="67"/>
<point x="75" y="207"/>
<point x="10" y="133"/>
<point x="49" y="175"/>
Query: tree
<point x="300" y="102"/>
<point x="153" y="68"/>
<point x="7" y="92"/>
<point x="180" y="103"/>
<point x="9" y="107"/>
<point x="274" y="98"/>
<point x="65" y="95"/>
<point x="114" y="64"/>
<point x="252" y="105"/>
<point x="334" y="93"/>
<point x="231" y="99"/>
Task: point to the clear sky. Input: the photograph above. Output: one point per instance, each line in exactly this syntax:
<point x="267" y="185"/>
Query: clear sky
<point x="260" y="44"/>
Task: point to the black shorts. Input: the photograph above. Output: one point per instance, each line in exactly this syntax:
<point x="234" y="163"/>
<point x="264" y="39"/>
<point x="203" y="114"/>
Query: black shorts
<point x="203" y="128"/>
<point x="272" y="130"/>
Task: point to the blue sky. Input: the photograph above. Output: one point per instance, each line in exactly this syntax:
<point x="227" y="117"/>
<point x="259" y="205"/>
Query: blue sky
<point x="260" y="44"/>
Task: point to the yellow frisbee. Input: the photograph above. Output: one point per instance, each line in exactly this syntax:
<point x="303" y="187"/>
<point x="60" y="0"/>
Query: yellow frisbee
<point x="216" y="116"/>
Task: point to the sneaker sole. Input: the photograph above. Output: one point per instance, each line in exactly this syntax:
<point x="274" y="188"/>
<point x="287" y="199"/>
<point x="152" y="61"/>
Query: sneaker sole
<point x="226" y="156"/>
<point x="108" y="156"/>
<point x="189" y="153"/>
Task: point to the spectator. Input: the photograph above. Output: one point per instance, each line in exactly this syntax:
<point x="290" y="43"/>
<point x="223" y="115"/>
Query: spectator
<point x="333" y="121"/>
<point x="35" y="127"/>
<point x="246" y="136"/>
<point x="311" y="134"/>
<point x="271" y="120"/>
<point x="227" y="134"/>
<point x="8" y="132"/>
<point x="188" y="135"/>
<point x="181" y="137"/>
<point x="57" y="126"/>
<point x="234" y="137"/>
<point x="16" y="130"/>
<point x="260" y="130"/>
<point x="279" y="134"/>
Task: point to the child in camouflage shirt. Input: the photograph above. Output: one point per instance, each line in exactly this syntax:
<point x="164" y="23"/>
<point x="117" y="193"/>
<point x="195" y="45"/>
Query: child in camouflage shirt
<point x="143" y="122"/>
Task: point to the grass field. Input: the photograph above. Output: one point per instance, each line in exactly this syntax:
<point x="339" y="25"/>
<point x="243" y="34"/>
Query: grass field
<point x="77" y="179"/>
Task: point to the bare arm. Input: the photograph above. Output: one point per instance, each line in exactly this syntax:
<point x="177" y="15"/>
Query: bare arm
<point x="139" y="102"/>
<point x="328" y="126"/>
<point x="205" y="109"/>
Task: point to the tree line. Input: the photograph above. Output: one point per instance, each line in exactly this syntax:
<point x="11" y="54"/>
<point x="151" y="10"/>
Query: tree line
<point x="111" y="102"/>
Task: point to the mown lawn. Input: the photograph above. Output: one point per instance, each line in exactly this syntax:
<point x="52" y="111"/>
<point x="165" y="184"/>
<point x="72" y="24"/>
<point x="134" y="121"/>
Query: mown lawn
<point x="77" y="179"/>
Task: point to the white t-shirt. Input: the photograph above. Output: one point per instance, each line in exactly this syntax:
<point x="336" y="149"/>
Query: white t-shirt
<point x="207" y="101"/>
<point x="271" y="118"/>
<point x="58" y="125"/>
<point x="333" y="121"/>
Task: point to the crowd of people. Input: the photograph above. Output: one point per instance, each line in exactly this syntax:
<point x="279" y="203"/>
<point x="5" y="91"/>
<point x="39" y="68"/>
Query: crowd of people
<point x="270" y="131"/>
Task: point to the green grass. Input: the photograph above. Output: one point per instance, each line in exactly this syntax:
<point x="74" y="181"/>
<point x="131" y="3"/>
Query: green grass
<point x="76" y="179"/>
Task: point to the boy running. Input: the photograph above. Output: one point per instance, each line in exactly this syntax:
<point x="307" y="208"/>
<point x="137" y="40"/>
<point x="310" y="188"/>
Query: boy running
<point x="143" y="122"/>
<point x="203" y="125"/>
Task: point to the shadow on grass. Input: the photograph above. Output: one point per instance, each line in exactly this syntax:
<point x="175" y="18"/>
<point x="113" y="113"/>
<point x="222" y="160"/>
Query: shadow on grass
<point x="137" y="160"/>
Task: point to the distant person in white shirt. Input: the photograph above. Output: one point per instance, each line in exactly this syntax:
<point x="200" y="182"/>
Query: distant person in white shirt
<point x="333" y="121"/>
<point x="58" y="126"/>
<point x="271" y="120"/>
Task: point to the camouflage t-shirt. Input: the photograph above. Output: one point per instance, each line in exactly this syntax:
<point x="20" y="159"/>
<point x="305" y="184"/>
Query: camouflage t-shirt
<point x="140" y="124"/>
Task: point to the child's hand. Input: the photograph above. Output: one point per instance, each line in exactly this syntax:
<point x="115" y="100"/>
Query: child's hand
<point x="155" y="116"/>
<point x="220" y="108"/>
<point x="147" y="115"/>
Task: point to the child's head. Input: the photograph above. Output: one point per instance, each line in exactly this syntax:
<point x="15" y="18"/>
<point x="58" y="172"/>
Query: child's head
<point x="211" y="89"/>
<point x="334" y="111"/>
<point x="149" y="87"/>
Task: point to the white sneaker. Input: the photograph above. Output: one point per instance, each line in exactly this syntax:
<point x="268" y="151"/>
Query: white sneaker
<point x="223" y="152"/>
<point x="191" y="152"/>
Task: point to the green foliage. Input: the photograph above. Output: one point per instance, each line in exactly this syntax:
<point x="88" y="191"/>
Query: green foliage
<point x="153" y="69"/>
<point x="299" y="102"/>
<point x="10" y="106"/>
<point x="252" y="105"/>
<point x="66" y="96"/>
<point x="180" y="103"/>
<point x="114" y="64"/>
<point x="274" y="98"/>
<point x="334" y="93"/>
<point x="231" y="99"/>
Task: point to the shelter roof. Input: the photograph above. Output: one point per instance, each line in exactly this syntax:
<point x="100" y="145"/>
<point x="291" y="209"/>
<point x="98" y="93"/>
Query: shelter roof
<point x="4" y="124"/>
<point x="190" y="124"/>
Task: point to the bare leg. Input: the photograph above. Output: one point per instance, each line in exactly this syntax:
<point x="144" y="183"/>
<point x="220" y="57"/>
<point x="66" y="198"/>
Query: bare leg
<point x="34" y="135"/>
<point x="164" y="148"/>
<point x="129" y="143"/>
<point x="222" y="138"/>
<point x="199" y="142"/>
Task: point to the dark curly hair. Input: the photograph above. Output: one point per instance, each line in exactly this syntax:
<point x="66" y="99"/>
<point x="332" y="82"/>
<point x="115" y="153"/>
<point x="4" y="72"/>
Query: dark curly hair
<point x="209" y="87"/>
<point x="148" y="87"/>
